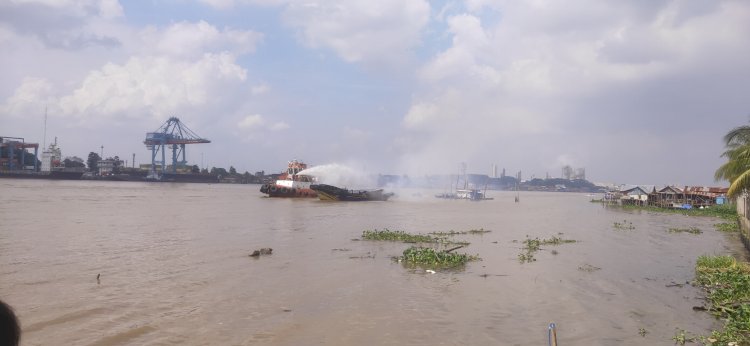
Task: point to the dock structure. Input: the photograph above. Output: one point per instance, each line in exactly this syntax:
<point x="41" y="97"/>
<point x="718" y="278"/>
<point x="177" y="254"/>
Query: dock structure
<point x="11" y="144"/>
<point x="671" y="196"/>
<point x="174" y="134"/>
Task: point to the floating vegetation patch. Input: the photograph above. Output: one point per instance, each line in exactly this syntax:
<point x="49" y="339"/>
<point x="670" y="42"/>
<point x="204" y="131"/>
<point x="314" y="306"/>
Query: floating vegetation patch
<point x="532" y="246"/>
<point x="724" y="211"/>
<point x="691" y="230"/>
<point x="729" y="227"/>
<point x="452" y="232"/>
<point x="624" y="225"/>
<point x="588" y="268"/>
<point x="727" y="286"/>
<point x="429" y="258"/>
<point x="388" y="235"/>
<point x="642" y="332"/>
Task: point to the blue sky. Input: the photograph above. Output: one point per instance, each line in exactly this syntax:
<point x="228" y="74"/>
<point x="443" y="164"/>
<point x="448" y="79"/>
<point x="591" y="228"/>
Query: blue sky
<point x="635" y="92"/>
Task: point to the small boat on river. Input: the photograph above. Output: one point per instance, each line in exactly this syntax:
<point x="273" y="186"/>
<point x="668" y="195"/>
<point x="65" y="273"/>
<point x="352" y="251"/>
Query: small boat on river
<point x="470" y="194"/>
<point x="334" y="193"/>
<point x="467" y="192"/>
<point x="291" y="183"/>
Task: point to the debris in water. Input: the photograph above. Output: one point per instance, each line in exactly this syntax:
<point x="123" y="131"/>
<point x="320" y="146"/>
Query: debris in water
<point x="430" y="271"/>
<point x="97" y="278"/>
<point x="588" y="268"/>
<point x="262" y="251"/>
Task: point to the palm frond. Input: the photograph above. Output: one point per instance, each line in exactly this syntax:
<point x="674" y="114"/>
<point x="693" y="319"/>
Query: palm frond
<point x="738" y="136"/>
<point x="740" y="184"/>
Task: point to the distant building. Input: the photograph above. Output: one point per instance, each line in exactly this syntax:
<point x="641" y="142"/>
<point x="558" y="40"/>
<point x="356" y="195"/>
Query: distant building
<point x="570" y="173"/>
<point x="636" y="194"/>
<point x="107" y="167"/>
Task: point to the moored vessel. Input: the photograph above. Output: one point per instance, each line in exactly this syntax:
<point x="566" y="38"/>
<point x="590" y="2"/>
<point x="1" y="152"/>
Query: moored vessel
<point x="334" y="193"/>
<point x="470" y="194"/>
<point x="291" y="183"/>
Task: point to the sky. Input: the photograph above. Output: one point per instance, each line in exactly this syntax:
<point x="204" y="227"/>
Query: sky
<point x="635" y="92"/>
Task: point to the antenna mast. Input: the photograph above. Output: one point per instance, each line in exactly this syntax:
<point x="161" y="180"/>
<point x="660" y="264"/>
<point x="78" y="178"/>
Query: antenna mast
<point x="44" y="140"/>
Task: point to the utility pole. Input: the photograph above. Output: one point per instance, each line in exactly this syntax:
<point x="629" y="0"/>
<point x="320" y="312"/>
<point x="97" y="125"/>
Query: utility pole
<point x="133" y="160"/>
<point x="44" y="139"/>
<point x="102" y="157"/>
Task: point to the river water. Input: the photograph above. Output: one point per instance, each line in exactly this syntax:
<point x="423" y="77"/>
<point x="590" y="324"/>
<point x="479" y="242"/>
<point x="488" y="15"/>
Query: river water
<point x="174" y="269"/>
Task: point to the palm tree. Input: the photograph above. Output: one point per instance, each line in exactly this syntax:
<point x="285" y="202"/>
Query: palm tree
<point x="737" y="168"/>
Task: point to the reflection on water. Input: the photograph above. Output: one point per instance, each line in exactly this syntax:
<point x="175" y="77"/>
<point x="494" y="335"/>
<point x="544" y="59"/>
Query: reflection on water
<point x="174" y="266"/>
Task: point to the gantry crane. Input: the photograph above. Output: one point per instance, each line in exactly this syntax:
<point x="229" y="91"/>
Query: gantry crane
<point x="175" y="134"/>
<point x="16" y="143"/>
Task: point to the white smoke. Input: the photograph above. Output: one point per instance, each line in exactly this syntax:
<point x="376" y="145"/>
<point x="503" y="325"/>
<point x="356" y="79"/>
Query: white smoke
<point x="341" y="175"/>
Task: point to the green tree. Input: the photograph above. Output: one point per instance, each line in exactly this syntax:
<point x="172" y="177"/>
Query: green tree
<point x="116" y="165"/>
<point x="73" y="162"/>
<point x="195" y="169"/>
<point x="218" y="171"/>
<point x="93" y="161"/>
<point x="737" y="168"/>
<point x="232" y="171"/>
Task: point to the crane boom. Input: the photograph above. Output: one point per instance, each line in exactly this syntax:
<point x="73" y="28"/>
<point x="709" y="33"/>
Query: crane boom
<point x="175" y="134"/>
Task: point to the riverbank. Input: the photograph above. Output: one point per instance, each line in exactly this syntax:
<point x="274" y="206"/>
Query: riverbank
<point x="726" y="212"/>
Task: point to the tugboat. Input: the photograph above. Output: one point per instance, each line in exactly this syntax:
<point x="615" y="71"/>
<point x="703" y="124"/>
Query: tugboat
<point x="291" y="183"/>
<point x="334" y="193"/>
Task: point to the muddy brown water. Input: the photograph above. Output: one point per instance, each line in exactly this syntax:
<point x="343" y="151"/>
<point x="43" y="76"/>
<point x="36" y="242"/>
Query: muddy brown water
<point x="174" y="269"/>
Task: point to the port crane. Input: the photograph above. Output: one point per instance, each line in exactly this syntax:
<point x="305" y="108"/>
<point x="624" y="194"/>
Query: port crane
<point x="16" y="143"/>
<point x="173" y="134"/>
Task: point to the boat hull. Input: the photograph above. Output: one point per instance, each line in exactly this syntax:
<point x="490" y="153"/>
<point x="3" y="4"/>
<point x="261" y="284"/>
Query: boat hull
<point x="54" y="175"/>
<point x="275" y="190"/>
<point x="333" y="193"/>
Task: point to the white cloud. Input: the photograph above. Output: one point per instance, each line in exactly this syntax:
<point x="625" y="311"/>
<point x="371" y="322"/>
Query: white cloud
<point x="142" y="87"/>
<point x="421" y="114"/>
<point x="279" y="126"/>
<point x="356" y="134"/>
<point x="545" y="70"/>
<point x="254" y="122"/>
<point x="102" y="8"/>
<point x="33" y="95"/>
<point x="251" y="121"/>
<point x="260" y="89"/>
<point x="228" y="4"/>
<point x="361" y="31"/>
<point x="186" y="39"/>
<point x="184" y="67"/>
